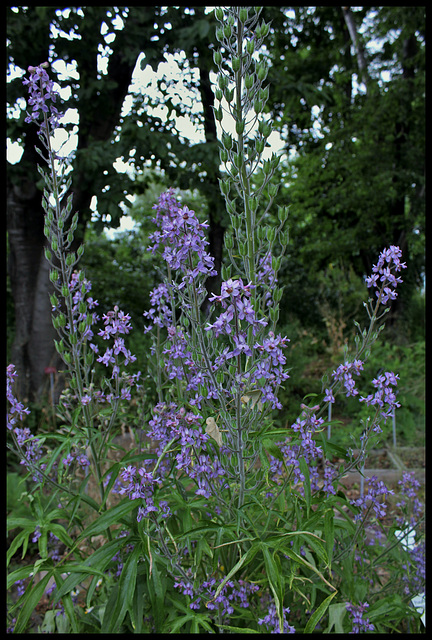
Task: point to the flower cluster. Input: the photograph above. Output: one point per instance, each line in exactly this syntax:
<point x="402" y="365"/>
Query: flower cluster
<point x="384" y="395"/>
<point x="359" y="624"/>
<point x="116" y="325"/>
<point x="182" y="236"/>
<point x="232" y="593"/>
<point x="28" y="445"/>
<point x="409" y="487"/>
<point x="188" y="452"/>
<point x="344" y="373"/>
<point x="142" y="488"/>
<point x="373" y="498"/>
<point x="271" y="620"/>
<point x="17" y="409"/>
<point x="41" y="89"/>
<point x="302" y="445"/>
<point x="234" y="299"/>
<point x="383" y="278"/>
<point x="80" y="458"/>
<point x="80" y="287"/>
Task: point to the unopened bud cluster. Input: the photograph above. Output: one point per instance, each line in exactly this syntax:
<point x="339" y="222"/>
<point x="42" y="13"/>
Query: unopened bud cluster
<point x="242" y="98"/>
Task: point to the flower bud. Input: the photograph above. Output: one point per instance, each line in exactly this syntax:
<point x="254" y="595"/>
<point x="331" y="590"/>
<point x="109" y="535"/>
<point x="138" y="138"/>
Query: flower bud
<point x="226" y="271"/>
<point x="54" y="300"/>
<point x="223" y="156"/>
<point x="48" y="254"/>
<point x="236" y="64"/>
<point x="243" y="14"/>
<point x="250" y="47"/>
<point x="224" y="186"/>
<point x="64" y="290"/>
<point x="219" y="14"/>
<point x="277" y="294"/>
<point x="271" y="234"/>
<point x="217" y="58"/>
<point x="273" y="189"/>
<point x="80" y="250"/>
<point x="240" y="127"/>
<point x="229" y="243"/>
<point x="61" y="320"/>
<point x="253" y="204"/>
<point x="227" y="141"/>
<point x="59" y="346"/>
<point x="229" y="94"/>
<point x="282" y="213"/>
<point x="259" y="145"/>
<point x="222" y="81"/>
<point x="243" y="249"/>
<point x="249" y="81"/>
<point x="258" y="106"/>
<point x="261" y="71"/>
<point x="70" y="259"/>
<point x="235" y="222"/>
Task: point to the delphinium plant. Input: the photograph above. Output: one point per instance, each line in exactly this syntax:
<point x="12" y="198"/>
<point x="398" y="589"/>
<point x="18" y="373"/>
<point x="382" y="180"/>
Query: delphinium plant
<point x="224" y="522"/>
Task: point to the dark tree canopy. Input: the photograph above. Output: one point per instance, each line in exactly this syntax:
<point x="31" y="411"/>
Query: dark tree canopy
<point x="346" y="94"/>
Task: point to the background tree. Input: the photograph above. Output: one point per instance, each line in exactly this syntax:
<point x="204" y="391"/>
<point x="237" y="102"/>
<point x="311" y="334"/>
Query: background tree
<point x="347" y="94"/>
<point x="80" y="36"/>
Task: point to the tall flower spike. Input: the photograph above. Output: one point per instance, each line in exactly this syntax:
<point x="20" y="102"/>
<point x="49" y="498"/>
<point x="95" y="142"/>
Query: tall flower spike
<point x="42" y="95"/>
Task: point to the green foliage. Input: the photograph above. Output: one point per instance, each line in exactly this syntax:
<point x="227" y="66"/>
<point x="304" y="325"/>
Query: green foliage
<point x="301" y="545"/>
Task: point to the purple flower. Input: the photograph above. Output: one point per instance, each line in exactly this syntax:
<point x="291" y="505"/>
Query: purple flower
<point x="271" y="620"/>
<point x="372" y="499"/>
<point x="359" y="625"/>
<point x="41" y="96"/>
<point x="344" y="374"/>
<point x="383" y="278"/>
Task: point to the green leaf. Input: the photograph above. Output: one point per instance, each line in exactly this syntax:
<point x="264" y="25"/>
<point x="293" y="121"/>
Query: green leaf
<point x="336" y="614"/>
<point x="29" y="600"/>
<point x="93" y="565"/>
<point x="318" y="614"/>
<point x="247" y="557"/>
<point x="294" y="556"/>
<point x="23" y="523"/>
<point x="21" y="539"/>
<point x="107" y="519"/>
<point x="125" y="593"/>
<point x="18" y="574"/>
<point x="275" y="581"/>
<point x="157" y="595"/>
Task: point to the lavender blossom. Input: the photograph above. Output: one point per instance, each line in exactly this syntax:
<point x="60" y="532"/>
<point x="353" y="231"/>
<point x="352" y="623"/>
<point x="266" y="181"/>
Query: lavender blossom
<point x="42" y="95"/>
<point x="271" y="620"/>
<point x="383" y="279"/>
<point x="359" y="624"/>
<point x="371" y="499"/>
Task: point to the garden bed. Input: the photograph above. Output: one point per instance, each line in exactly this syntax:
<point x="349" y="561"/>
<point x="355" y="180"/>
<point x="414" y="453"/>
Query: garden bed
<point x="390" y="464"/>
